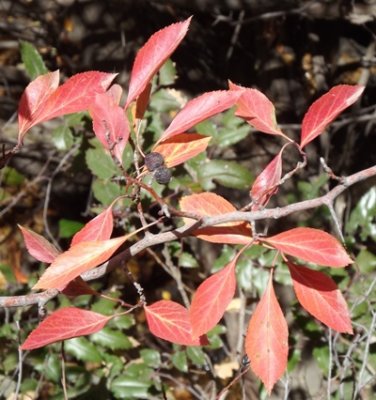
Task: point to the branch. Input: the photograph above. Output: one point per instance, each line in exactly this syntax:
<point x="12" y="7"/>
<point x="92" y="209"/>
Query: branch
<point x="184" y="231"/>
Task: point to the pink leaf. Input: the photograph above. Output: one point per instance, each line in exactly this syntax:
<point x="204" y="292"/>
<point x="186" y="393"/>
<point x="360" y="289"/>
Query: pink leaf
<point x="199" y="109"/>
<point x="110" y="124"/>
<point x="312" y="245"/>
<point x="66" y="323"/>
<point x="266" y="343"/>
<point x="266" y="184"/>
<point x="324" y="110"/>
<point x="152" y="55"/>
<point x="257" y="110"/>
<point x="210" y="204"/>
<point x="99" y="228"/>
<point x="170" y="321"/>
<point x="42" y="101"/>
<point x="80" y="258"/>
<point x="318" y="294"/>
<point x="211" y="299"/>
<point x="39" y="247"/>
<point x="182" y="148"/>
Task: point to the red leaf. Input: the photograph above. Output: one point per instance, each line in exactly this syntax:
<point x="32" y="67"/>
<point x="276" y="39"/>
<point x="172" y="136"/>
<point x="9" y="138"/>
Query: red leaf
<point x="79" y="258"/>
<point x="257" y="110"/>
<point x="181" y="148"/>
<point x="199" y="109"/>
<point x="210" y="204"/>
<point x="110" y="124"/>
<point x="153" y="54"/>
<point x="66" y="323"/>
<point x="77" y="287"/>
<point x="265" y="185"/>
<point x="312" y="245"/>
<point x="41" y="102"/>
<point x="318" y="294"/>
<point x="170" y="321"/>
<point x="325" y="109"/>
<point x="99" y="228"/>
<point x="35" y="95"/>
<point x="211" y="299"/>
<point x="39" y="247"/>
<point x="143" y="101"/>
<point x="266" y="343"/>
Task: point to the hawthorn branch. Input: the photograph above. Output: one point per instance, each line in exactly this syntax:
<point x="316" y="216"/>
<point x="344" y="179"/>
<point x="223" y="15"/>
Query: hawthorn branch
<point x="151" y="240"/>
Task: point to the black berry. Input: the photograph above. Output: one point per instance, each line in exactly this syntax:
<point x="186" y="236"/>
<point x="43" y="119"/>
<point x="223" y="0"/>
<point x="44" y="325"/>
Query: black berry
<point x="153" y="161"/>
<point x="162" y="175"/>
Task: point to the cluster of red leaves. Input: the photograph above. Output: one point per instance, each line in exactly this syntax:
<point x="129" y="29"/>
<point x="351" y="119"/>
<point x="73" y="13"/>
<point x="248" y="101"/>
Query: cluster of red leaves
<point x="267" y="336"/>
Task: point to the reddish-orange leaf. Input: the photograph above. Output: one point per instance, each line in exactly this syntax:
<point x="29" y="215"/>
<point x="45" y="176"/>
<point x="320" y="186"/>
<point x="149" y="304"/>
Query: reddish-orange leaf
<point x="181" y="148"/>
<point x="99" y="228"/>
<point x="257" y="110"/>
<point x="41" y="103"/>
<point x="78" y="287"/>
<point x="211" y="299"/>
<point x="266" y="343"/>
<point x="170" y="321"/>
<point x="325" y="109"/>
<point x="318" y="294"/>
<point x="39" y="247"/>
<point x="199" y="109"/>
<point x="110" y="124"/>
<point x="265" y="185"/>
<point x="153" y="54"/>
<point x="66" y="323"/>
<point x="312" y="245"/>
<point x="79" y="258"/>
<point x="143" y="101"/>
<point x="210" y="204"/>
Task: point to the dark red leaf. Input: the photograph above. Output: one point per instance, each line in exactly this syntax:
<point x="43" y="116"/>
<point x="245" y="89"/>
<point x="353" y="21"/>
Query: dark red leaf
<point x="66" y="323"/>
<point x="266" y="343"/>
<point x="312" y="245"/>
<point x="318" y="294"/>
<point x="324" y="110"/>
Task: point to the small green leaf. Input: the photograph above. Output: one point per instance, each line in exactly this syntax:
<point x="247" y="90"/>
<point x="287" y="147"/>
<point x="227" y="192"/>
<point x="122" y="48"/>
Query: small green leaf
<point x="179" y="360"/>
<point x="82" y="349"/>
<point x="227" y="173"/>
<point x="114" y="340"/>
<point x="321" y="355"/>
<point x="11" y="177"/>
<point x="101" y="164"/>
<point x="366" y="261"/>
<point x="106" y="191"/>
<point x="167" y="74"/>
<point x="152" y="358"/>
<point x="62" y="137"/>
<point x="52" y="369"/>
<point x="68" y="227"/>
<point x="123" y="322"/>
<point x="32" y="60"/>
<point x="125" y="387"/>
<point x="164" y="101"/>
<point x="196" y="355"/>
<point x="186" y="260"/>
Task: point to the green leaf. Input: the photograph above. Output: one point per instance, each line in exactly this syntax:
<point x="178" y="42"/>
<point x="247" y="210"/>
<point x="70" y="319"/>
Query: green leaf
<point x="123" y="322"/>
<point x="101" y="164"/>
<point x="32" y="60"/>
<point x="68" y="227"/>
<point x="167" y="74"/>
<point x="196" y="355"/>
<point x="114" y="340"/>
<point x="82" y="349"/>
<point x="106" y="191"/>
<point x="152" y="358"/>
<point x="179" y="360"/>
<point x="165" y="100"/>
<point x="62" y="137"/>
<point x="125" y="387"/>
<point x="186" y="260"/>
<point x="366" y="261"/>
<point x="11" y="177"/>
<point x="105" y="306"/>
<point x="52" y="368"/>
<point x="227" y="173"/>
<point x="321" y="355"/>
<point x="227" y="254"/>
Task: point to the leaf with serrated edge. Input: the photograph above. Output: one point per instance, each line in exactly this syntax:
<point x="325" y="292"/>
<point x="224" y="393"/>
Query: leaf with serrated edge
<point x="325" y="109"/>
<point x="311" y="245"/>
<point x="211" y="299"/>
<point x="319" y="295"/>
<point x="99" y="228"/>
<point x="266" y="183"/>
<point x="181" y="148"/>
<point x="39" y="247"/>
<point x="266" y="343"/>
<point x="199" y="109"/>
<point x="78" y="259"/>
<point x="210" y="204"/>
<point x="170" y="321"/>
<point x="153" y="54"/>
<point x="66" y="323"/>
<point x="257" y="110"/>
